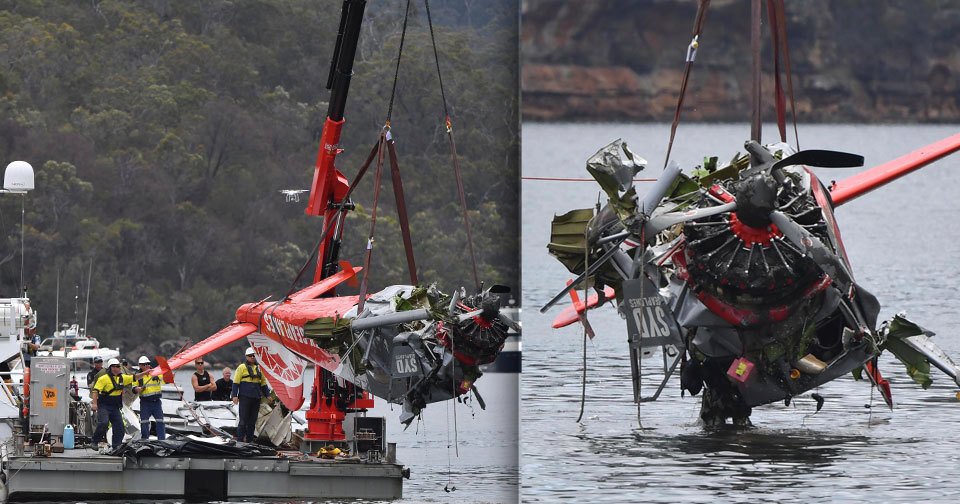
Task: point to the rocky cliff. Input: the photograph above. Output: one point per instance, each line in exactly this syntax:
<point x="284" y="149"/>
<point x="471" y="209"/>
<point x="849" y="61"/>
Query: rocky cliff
<point x="853" y="60"/>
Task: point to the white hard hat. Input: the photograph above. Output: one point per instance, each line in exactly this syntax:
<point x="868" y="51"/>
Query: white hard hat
<point x="143" y="360"/>
<point x="250" y="351"/>
<point x="113" y="362"/>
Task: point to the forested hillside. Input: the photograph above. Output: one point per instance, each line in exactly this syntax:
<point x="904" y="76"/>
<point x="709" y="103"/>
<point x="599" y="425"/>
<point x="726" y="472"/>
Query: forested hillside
<point x="161" y="133"/>
<point x="852" y="60"/>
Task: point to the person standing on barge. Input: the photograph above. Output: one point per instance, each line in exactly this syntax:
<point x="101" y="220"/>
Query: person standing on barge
<point x="150" y="406"/>
<point x="106" y="400"/>
<point x="249" y="385"/>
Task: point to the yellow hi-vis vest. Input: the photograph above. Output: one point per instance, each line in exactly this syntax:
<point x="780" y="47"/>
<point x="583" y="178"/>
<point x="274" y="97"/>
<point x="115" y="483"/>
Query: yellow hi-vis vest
<point x="151" y="387"/>
<point x="109" y="385"/>
<point x="248" y="381"/>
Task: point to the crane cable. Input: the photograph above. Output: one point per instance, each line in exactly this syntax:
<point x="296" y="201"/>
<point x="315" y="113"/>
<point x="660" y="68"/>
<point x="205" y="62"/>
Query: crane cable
<point x="453" y="151"/>
<point x="381" y="144"/>
<point x="691" y="57"/>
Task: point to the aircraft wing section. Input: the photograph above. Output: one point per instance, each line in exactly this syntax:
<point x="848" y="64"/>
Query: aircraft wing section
<point x="347" y="273"/>
<point x="225" y="336"/>
<point x="283" y="369"/>
<point x="862" y="183"/>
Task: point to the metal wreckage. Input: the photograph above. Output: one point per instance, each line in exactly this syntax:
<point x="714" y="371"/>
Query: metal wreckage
<point x="738" y="273"/>
<point x="408" y="344"/>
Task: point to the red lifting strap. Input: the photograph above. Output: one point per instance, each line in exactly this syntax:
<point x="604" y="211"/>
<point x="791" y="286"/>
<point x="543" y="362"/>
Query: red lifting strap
<point x="402" y="210"/>
<point x="691" y="56"/>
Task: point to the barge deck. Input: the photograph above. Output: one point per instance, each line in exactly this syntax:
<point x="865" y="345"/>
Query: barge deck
<point x="86" y="474"/>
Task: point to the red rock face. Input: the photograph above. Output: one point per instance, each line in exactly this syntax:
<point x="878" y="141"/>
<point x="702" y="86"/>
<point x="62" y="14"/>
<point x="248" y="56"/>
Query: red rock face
<point x="613" y="60"/>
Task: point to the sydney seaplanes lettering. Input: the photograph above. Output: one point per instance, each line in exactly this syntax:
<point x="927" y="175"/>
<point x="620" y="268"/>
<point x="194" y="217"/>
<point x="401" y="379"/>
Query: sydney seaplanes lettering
<point x="650" y="318"/>
<point x="294" y="334"/>
<point x="406" y="363"/>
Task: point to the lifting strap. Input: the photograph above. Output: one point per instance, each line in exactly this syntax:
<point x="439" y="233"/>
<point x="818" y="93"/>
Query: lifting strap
<point x="756" y="122"/>
<point x="395" y="165"/>
<point x="402" y="210"/>
<point x="779" y="100"/>
<point x="453" y="151"/>
<point x="691" y="57"/>
<point x="384" y="133"/>
<point x="386" y="142"/>
<point x="777" y="6"/>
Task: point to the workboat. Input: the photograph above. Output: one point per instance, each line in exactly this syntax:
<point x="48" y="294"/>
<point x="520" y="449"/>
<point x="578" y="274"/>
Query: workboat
<point x="73" y="343"/>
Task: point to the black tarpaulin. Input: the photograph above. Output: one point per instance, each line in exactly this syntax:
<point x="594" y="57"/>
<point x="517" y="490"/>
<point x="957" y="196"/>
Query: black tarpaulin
<point x="190" y="447"/>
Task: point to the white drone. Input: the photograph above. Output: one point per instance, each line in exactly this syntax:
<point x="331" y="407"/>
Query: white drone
<point x="293" y="195"/>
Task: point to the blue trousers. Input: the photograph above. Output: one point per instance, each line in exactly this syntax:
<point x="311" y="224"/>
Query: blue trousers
<point x="151" y="408"/>
<point x="249" y="411"/>
<point x="109" y="414"/>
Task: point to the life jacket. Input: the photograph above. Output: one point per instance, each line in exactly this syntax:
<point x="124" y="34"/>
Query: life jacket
<point x="116" y="388"/>
<point x="111" y="396"/>
<point x="249" y="381"/>
<point x="253" y="376"/>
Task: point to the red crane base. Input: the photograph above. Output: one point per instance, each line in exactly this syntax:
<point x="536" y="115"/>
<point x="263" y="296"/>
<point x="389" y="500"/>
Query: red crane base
<point x="325" y="417"/>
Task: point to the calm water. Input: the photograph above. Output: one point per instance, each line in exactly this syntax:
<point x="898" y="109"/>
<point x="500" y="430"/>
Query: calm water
<point x="903" y="243"/>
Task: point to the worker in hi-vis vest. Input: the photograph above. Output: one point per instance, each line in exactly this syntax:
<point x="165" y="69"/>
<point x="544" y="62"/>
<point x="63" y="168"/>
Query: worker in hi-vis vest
<point x="249" y="385"/>
<point x="107" y="399"/>
<point x="150" y="401"/>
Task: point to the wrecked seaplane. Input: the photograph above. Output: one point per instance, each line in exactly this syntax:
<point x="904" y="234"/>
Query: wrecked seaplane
<point x="411" y="345"/>
<point x="739" y="274"/>
<point x="408" y="345"/>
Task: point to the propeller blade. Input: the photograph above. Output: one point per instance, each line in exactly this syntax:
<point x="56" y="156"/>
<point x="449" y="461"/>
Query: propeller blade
<point x="821" y="159"/>
<point x="469" y="315"/>
<point x="512" y="324"/>
<point x="812" y="246"/>
<point x="499" y="289"/>
<point x="668" y="220"/>
<point x="454" y="299"/>
<point x="651" y="200"/>
<point x="765" y="162"/>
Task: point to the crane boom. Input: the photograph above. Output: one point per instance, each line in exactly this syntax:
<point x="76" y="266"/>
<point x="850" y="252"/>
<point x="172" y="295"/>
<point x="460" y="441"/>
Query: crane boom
<point x="330" y="185"/>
